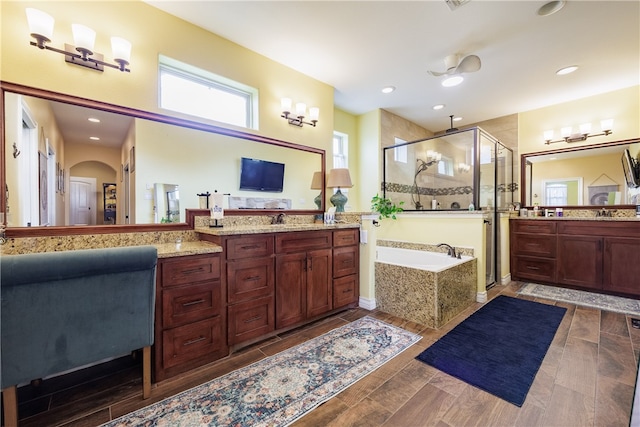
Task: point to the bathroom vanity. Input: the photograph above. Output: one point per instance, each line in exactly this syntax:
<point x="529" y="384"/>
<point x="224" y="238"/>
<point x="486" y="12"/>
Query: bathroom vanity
<point x="594" y="254"/>
<point x="280" y="277"/>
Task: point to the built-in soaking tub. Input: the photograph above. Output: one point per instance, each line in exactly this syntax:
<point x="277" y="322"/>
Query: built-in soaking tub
<point x="426" y="287"/>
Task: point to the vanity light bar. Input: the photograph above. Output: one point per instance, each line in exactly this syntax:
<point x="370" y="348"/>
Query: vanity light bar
<point x="567" y="134"/>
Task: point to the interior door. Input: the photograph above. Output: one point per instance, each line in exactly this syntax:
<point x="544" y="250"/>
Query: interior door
<point x="82" y="210"/>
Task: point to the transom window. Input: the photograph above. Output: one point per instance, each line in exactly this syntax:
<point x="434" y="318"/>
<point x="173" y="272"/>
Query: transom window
<point x="190" y="90"/>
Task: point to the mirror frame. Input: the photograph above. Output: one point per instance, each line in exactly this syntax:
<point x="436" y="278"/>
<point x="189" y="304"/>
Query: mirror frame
<point x="523" y="170"/>
<point x="18" y="232"/>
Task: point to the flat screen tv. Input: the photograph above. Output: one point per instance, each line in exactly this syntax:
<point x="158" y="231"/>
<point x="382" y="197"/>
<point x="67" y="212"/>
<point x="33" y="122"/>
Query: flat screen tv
<point x="630" y="167"/>
<point x="261" y="175"/>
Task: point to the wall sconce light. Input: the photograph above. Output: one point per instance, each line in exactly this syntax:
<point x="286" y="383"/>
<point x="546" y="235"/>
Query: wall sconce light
<point x="301" y="111"/>
<point x="41" y="29"/>
<point x="339" y="178"/>
<point x="567" y="134"/>
<point x="317" y="183"/>
<point x="463" y="167"/>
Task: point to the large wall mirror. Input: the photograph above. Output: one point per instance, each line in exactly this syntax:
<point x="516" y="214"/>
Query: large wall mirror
<point x="55" y="175"/>
<point x="586" y="176"/>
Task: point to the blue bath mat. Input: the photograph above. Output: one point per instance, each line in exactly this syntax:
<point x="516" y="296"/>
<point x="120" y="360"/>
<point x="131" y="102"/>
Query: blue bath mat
<point x="499" y="348"/>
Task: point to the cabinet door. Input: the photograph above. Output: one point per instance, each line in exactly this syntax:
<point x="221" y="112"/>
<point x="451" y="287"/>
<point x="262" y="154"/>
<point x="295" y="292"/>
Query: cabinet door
<point x="580" y="261"/>
<point x="622" y="265"/>
<point x="345" y="291"/>
<point x="290" y="288"/>
<point x="249" y="278"/>
<point x="319" y="288"/>
<point x="345" y="261"/>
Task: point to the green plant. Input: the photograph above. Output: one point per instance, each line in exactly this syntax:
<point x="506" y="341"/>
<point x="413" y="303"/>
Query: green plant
<point x="385" y="207"/>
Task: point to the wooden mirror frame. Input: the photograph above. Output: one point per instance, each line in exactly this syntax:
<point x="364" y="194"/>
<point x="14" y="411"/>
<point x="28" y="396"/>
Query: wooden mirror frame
<point x="523" y="170"/>
<point x="18" y="232"/>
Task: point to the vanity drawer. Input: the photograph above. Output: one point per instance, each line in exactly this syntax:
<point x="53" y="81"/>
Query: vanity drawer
<point x="186" y="304"/>
<point x="300" y="241"/>
<point x="185" y="343"/>
<point x="250" y="319"/>
<point x="346" y="237"/>
<point x="250" y="278"/>
<point x="190" y="269"/>
<point x="345" y="261"/>
<point x="240" y="247"/>
<point x="541" y="226"/>
<point x="345" y="291"/>
<point x="535" y="245"/>
<point x="535" y="269"/>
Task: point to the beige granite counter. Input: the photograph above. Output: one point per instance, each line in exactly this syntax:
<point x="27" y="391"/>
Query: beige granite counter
<point x="168" y="250"/>
<point x="271" y="228"/>
<point x="577" y="218"/>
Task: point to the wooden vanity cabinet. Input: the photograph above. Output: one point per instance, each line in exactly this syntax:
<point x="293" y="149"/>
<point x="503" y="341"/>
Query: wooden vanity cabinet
<point x="601" y="256"/>
<point x="190" y="316"/>
<point x="250" y="286"/>
<point x="533" y="250"/>
<point x="303" y="276"/>
<point x="346" y="268"/>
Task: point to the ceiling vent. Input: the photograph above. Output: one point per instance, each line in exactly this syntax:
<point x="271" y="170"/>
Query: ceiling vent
<point x="454" y="4"/>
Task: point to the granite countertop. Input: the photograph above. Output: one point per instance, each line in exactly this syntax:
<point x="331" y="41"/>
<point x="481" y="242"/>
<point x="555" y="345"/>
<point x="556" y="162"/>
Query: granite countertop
<point x="575" y="218"/>
<point x="271" y="228"/>
<point x="168" y="250"/>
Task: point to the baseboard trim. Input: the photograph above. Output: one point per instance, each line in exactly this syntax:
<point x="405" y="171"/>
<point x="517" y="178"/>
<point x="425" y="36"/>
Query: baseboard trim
<point x="481" y="297"/>
<point x="506" y="279"/>
<point x="367" y="303"/>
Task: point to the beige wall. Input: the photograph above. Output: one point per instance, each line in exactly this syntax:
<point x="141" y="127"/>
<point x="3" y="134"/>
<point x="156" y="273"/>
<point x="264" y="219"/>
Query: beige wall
<point x="623" y="106"/>
<point x="146" y="28"/>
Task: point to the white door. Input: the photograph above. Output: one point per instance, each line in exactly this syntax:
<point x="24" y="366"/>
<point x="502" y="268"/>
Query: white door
<point x="82" y="201"/>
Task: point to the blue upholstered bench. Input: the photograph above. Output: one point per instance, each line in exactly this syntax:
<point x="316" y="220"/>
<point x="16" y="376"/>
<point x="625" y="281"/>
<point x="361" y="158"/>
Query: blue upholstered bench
<point x="64" y="310"/>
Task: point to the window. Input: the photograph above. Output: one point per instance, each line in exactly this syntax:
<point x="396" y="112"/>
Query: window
<point x="555" y="194"/>
<point x="196" y="92"/>
<point x="400" y="153"/>
<point x="445" y="166"/>
<point x="340" y="150"/>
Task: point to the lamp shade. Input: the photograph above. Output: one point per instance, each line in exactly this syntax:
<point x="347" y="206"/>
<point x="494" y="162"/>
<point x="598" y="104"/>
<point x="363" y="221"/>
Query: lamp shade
<point x="83" y="37"/>
<point x="339" y="177"/>
<point x="316" y="181"/>
<point x="40" y="23"/>
<point x="121" y="49"/>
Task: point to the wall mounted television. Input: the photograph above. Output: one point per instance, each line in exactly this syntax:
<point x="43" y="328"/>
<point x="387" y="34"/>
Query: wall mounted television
<point x="261" y="175"/>
<point x="630" y="167"/>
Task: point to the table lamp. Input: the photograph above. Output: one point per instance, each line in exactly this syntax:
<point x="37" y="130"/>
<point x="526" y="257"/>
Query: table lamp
<point x="339" y="178"/>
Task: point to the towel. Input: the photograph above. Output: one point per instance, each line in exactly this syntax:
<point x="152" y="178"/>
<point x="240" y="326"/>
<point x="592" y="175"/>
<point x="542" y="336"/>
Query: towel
<point x="217" y="211"/>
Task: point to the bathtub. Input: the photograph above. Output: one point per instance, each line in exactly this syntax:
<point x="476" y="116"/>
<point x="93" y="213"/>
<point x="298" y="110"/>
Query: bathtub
<point x="425" y="287"/>
<point x="424" y="260"/>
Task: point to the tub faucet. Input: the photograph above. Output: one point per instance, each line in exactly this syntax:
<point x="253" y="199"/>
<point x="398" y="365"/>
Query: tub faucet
<point x="451" y="251"/>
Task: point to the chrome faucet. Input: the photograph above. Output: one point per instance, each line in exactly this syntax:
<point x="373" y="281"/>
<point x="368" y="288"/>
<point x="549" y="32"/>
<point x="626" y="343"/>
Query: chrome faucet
<point x="278" y="219"/>
<point x="451" y="251"/>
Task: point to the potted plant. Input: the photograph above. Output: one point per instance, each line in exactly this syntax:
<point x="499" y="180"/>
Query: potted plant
<point x="385" y="207"/>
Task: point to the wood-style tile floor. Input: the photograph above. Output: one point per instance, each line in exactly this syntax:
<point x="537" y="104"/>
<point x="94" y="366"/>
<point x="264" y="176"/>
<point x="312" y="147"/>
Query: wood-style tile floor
<point x="586" y="379"/>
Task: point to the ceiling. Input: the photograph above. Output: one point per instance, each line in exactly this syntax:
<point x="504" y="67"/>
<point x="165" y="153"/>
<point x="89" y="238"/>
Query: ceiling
<point x="358" y="47"/>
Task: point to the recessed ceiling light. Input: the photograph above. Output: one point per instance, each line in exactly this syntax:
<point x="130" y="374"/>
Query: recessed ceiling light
<point x="93" y="120"/>
<point x="457" y="119"/>
<point x="438" y="107"/>
<point x="551" y="8"/>
<point x="454" y="80"/>
<point x="94" y="138"/>
<point x="566" y="70"/>
<point x="388" y="89"/>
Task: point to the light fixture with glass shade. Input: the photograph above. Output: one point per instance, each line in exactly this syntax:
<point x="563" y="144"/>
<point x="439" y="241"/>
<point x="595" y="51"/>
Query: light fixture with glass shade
<point x="297" y="119"/>
<point x="82" y="51"/>
<point x="584" y="131"/>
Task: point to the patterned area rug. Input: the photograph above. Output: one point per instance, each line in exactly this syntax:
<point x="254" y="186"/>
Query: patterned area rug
<point x="282" y="388"/>
<point x="588" y="299"/>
